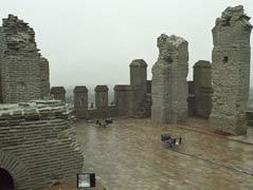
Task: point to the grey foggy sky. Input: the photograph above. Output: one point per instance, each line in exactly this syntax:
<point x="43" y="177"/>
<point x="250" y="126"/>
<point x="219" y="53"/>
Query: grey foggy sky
<point x="90" y="42"/>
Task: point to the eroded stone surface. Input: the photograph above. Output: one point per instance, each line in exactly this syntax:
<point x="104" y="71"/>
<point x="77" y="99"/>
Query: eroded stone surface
<point x="37" y="144"/>
<point x="169" y="85"/>
<point x="231" y="71"/>
<point x="24" y="73"/>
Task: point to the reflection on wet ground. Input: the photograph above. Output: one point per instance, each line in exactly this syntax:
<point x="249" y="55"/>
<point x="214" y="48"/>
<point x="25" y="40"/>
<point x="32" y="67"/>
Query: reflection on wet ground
<point x="129" y="155"/>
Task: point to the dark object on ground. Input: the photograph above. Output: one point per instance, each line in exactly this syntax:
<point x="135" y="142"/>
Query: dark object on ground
<point x="104" y="122"/>
<point x="170" y="141"/>
<point x="109" y="121"/>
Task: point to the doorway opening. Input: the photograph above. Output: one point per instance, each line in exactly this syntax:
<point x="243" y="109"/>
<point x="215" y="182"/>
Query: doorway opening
<point x="6" y="180"/>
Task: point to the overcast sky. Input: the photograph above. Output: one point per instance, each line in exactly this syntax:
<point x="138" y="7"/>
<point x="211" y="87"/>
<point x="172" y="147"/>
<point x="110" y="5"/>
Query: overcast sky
<point x="90" y="42"/>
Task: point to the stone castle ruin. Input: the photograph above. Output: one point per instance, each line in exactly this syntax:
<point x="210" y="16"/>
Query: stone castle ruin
<point x="169" y="85"/>
<point x="36" y="133"/>
<point x="219" y="90"/>
<point x="231" y="71"/>
<point x="37" y="140"/>
<point x="24" y="73"/>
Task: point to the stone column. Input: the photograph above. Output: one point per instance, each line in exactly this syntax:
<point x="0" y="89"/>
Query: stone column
<point x="58" y="93"/>
<point x="231" y="71"/>
<point x="169" y="85"/>
<point x="123" y="97"/>
<point x="138" y="74"/>
<point x="202" y="88"/>
<point x="81" y="101"/>
<point x="101" y="97"/>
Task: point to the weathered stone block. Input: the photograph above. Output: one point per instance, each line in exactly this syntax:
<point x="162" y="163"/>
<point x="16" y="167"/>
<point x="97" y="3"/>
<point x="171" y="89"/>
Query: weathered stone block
<point x="231" y="71"/>
<point x="40" y="151"/>
<point x="169" y="85"/>
<point x="81" y="101"/>
<point x="58" y="93"/>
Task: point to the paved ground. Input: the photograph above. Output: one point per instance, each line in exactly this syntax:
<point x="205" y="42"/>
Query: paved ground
<point x="129" y="155"/>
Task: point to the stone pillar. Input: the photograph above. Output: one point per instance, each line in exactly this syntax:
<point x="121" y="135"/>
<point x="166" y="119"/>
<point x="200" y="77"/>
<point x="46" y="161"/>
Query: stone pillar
<point x="101" y="97"/>
<point x="123" y="97"/>
<point x="169" y="85"/>
<point x="138" y="74"/>
<point x="58" y="93"/>
<point x="202" y="88"/>
<point x="81" y="101"/>
<point x="231" y="71"/>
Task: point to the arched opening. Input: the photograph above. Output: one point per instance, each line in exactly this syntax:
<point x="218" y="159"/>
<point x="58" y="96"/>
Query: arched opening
<point x="6" y="181"/>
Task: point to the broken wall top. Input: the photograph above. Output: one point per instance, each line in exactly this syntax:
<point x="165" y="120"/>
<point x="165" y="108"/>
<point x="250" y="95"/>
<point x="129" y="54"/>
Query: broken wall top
<point x="172" y="48"/>
<point x="138" y="63"/>
<point x="101" y="88"/>
<point x="34" y="110"/>
<point x="19" y="37"/>
<point x="80" y="89"/>
<point x="232" y="16"/>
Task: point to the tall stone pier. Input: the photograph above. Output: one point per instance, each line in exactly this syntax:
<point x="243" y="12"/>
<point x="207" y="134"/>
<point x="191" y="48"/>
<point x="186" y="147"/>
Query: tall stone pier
<point x="138" y="74"/>
<point x="101" y="97"/>
<point x="24" y="73"/>
<point x="231" y="71"/>
<point x="169" y="85"/>
<point x="81" y="101"/>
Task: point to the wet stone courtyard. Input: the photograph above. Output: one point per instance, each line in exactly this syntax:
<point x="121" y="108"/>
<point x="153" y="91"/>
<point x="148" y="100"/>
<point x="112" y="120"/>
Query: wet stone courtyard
<point x="129" y="155"/>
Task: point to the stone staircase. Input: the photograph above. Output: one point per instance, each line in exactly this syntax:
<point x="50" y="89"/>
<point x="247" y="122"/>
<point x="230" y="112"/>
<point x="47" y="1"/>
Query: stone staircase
<point x="144" y="109"/>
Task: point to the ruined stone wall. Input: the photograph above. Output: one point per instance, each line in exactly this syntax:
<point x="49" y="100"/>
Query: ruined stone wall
<point x="24" y="73"/>
<point x="37" y="144"/>
<point x="231" y="71"/>
<point x="101" y="114"/>
<point x="169" y="85"/>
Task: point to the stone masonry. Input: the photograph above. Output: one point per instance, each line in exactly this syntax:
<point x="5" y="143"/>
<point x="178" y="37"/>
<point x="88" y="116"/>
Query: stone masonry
<point x="58" y="93"/>
<point x="101" y="97"/>
<point x="231" y="71"/>
<point x="81" y="101"/>
<point x="37" y="144"/>
<point x="138" y="74"/>
<point x="202" y="88"/>
<point x="169" y="85"/>
<point x="24" y="74"/>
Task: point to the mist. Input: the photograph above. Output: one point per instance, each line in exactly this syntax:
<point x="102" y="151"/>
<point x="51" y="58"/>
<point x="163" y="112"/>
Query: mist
<point x="89" y="42"/>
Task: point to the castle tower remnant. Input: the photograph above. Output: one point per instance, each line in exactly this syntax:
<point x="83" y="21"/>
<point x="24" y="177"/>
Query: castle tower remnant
<point x="231" y="71"/>
<point x="138" y="74"/>
<point x="81" y="101"/>
<point x="101" y="97"/>
<point x="58" y="93"/>
<point x="24" y="73"/>
<point x="169" y="85"/>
